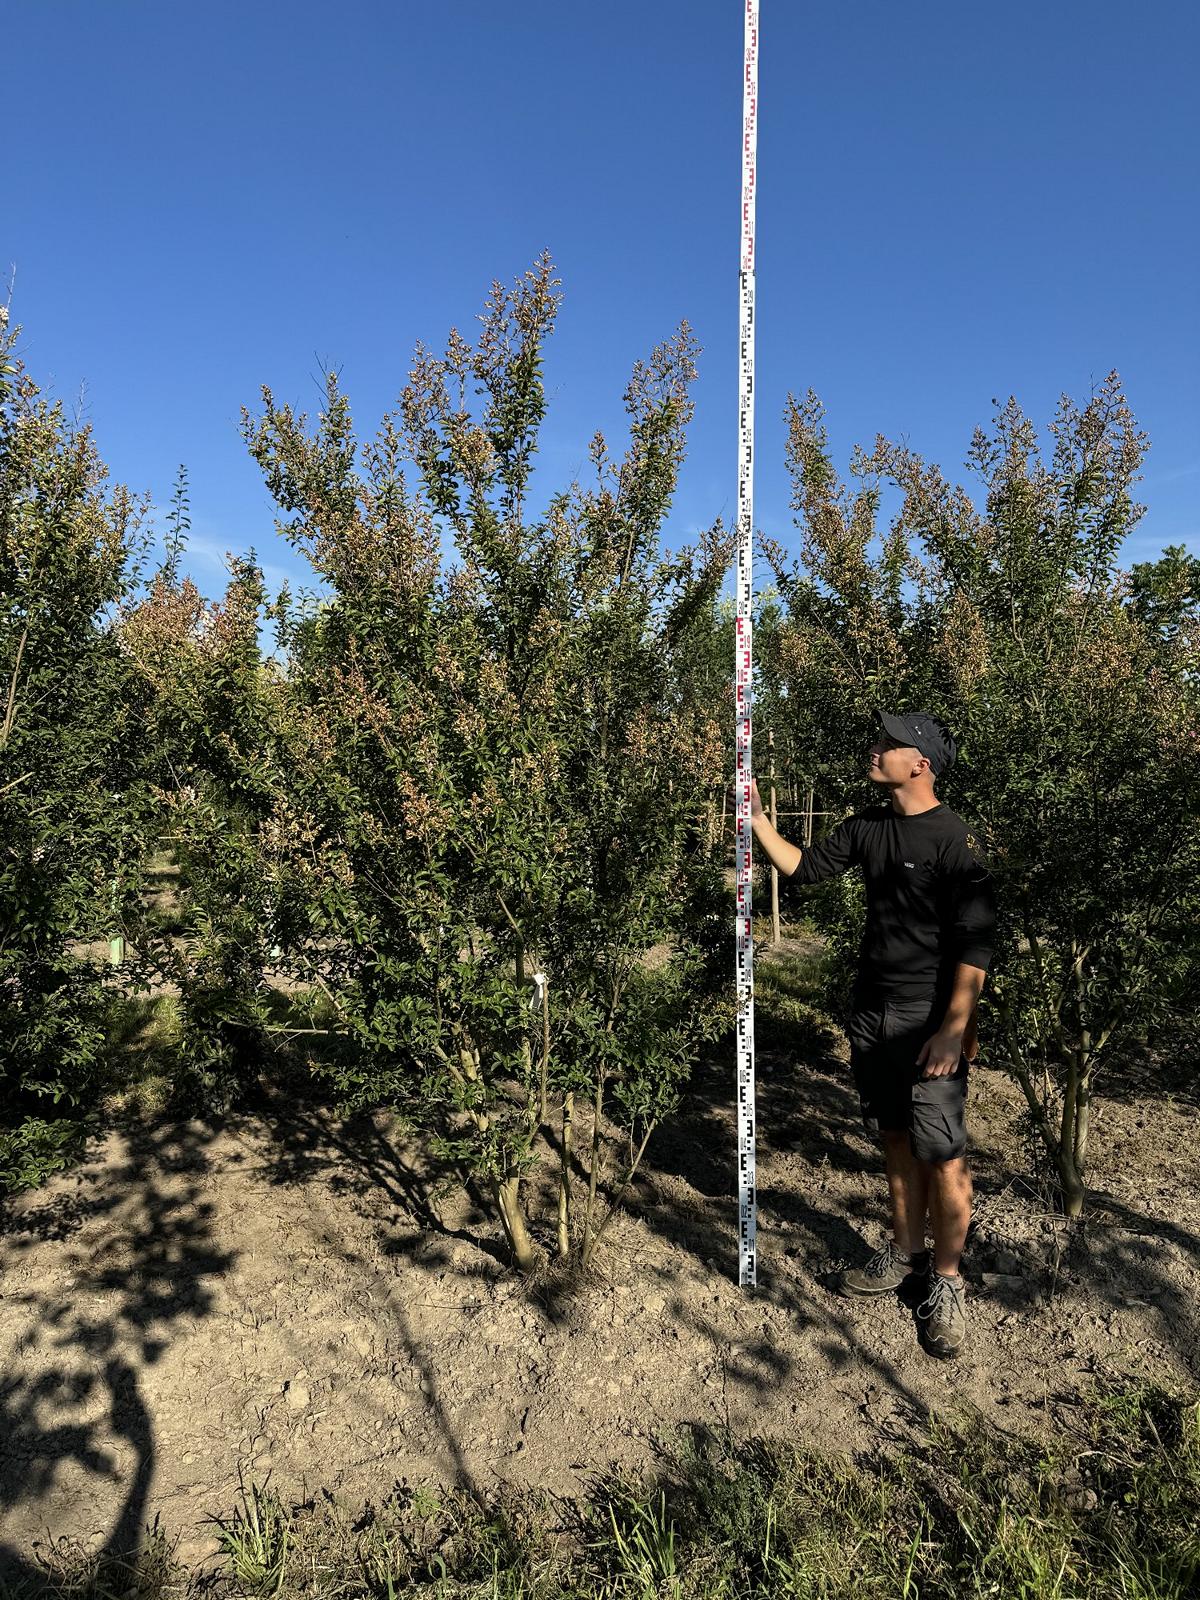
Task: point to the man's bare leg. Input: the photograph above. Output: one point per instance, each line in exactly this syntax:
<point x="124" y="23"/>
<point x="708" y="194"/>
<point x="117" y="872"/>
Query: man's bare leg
<point x="949" y="1191"/>
<point x="943" y="1314"/>
<point x="908" y="1188"/>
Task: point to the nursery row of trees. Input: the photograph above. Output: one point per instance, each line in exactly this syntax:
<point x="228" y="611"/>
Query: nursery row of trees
<point x="463" y="803"/>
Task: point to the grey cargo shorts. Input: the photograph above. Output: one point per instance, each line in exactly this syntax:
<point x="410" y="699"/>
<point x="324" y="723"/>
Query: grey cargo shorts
<point x="886" y="1033"/>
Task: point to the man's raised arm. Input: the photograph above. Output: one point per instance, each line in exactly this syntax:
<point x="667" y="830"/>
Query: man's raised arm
<point x="784" y="856"/>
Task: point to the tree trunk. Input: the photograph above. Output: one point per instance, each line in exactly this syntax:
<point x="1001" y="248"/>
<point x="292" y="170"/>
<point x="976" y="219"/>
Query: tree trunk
<point x="1066" y="1128"/>
<point x="1071" y="1184"/>
<point x="594" y="1172"/>
<point x="545" y="1044"/>
<point x="1060" y="1148"/>
<point x="1075" y="1107"/>
<point x="564" y="1177"/>
<point x="508" y="1203"/>
<point x="505" y="1192"/>
<point x="1083" y="1118"/>
<point x="592" y="1238"/>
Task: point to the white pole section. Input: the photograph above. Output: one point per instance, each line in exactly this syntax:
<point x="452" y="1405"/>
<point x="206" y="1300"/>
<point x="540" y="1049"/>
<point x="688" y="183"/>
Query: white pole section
<point x="743" y="669"/>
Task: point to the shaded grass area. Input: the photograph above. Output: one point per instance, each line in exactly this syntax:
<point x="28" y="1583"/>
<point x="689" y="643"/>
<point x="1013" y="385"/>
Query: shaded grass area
<point x="1110" y="1509"/>
<point x="144" y="1035"/>
<point x="792" y="985"/>
<point x="137" y="1077"/>
<point x="150" y="1072"/>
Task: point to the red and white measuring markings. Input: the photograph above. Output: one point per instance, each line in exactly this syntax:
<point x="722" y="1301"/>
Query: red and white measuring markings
<point x="743" y="669"/>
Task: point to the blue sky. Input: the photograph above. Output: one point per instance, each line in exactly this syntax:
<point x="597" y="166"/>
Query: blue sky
<point x="955" y="203"/>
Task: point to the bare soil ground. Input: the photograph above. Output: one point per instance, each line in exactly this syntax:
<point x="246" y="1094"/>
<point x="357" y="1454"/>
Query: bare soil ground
<point x="285" y="1295"/>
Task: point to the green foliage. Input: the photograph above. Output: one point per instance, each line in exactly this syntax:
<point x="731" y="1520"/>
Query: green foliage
<point x="1074" y="691"/>
<point x="74" y="807"/>
<point x="37" y="1147"/>
<point x="491" y="749"/>
<point x="205" y="694"/>
<point x="1166" y="593"/>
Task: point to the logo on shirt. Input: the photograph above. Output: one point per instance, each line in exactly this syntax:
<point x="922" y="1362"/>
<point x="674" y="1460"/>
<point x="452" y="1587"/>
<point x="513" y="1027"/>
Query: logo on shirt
<point x="910" y="863"/>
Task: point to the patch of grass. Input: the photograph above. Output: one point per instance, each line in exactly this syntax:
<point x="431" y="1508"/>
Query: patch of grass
<point x="791" y="990"/>
<point x="143" y="1038"/>
<point x="1110" y="1510"/>
<point x="255" y="1542"/>
<point x="644" y="1547"/>
<point x="163" y="895"/>
<point x="66" y="1571"/>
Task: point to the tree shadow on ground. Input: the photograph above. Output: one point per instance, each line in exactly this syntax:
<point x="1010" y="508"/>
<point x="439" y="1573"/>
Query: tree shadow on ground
<point x="153" y="1267"/>
<point x="808" y="1108"/>
<point x="1123" y="1258"/>
<point x="1151" y="1071"/>
<point x="362" y="1157"/>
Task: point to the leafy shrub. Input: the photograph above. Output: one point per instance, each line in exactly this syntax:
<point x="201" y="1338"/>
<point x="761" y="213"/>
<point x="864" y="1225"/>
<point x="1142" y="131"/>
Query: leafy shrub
<point x="74" y="808"/>
<point x="490" y="750"/>
<point x="206" y="694"/>
<point x="1074" y="691"/>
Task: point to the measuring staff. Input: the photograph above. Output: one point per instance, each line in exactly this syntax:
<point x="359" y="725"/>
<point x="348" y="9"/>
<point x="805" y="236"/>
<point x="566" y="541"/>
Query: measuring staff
<point x="743" y="671"/>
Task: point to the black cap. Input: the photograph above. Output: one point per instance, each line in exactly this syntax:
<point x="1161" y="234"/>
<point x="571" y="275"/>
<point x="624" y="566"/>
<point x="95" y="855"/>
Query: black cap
<point x="926" y="733"/>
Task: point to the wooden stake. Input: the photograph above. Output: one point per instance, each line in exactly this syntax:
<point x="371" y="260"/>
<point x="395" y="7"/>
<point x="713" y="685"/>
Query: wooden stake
<point x="564" y="1176"/>
<point x="774" y="824"/>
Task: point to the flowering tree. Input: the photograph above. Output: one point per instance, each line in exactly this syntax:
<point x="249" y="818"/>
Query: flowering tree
<point x="491" y="758"/>
<point x="1075" y="702"/>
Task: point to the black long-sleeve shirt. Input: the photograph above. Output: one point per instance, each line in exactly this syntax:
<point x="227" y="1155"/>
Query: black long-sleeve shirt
<point x="930" y="897"/>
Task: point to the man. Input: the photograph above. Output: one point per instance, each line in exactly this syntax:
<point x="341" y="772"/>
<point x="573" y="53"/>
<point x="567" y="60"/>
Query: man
<point x="924" y="956"/>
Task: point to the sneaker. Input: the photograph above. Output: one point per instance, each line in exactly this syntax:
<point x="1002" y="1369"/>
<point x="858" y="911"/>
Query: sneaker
<point x="886" y="1270"/>
<point x="944" y="1315"/>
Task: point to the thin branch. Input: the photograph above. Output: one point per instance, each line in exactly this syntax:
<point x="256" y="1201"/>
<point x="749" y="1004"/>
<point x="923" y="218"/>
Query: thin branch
<point x="594" y="1239"/>
<point x="11" y="709"/>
